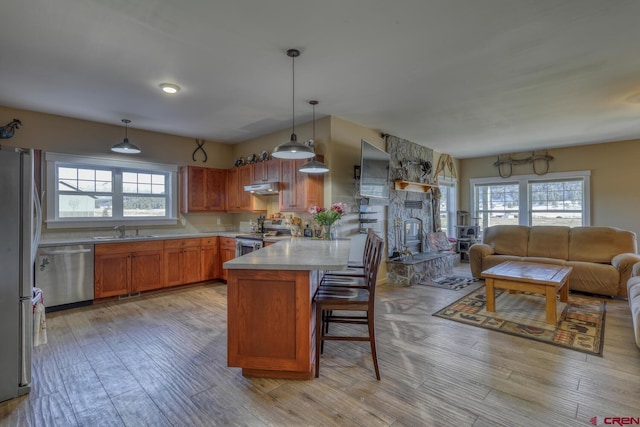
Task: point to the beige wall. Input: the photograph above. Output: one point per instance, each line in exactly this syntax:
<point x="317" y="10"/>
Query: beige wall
<point x="58" y="134"/>
<point x="615" y="194"/>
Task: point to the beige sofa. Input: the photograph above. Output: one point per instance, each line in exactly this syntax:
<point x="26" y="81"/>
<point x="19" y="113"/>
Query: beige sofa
<point x="633" y="290"/>
<point x="602" y="257"/>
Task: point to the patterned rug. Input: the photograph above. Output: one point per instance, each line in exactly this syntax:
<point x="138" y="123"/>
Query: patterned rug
<point x="580" y="326"/>
<point x="451" y="282"/>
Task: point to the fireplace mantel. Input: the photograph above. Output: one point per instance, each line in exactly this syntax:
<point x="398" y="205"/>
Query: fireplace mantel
<point x="420" y="187"/>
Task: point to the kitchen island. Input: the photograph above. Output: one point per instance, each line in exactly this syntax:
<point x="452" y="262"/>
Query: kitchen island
<point x="271" y="317"/>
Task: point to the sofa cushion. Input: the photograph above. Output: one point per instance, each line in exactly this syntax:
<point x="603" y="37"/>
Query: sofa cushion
<point x="599" y="244"/>
<point x="542" y="260"/>
<point x="602" y="279"/>
<point x="507" y="239"/>
<point x="549" y="242"/>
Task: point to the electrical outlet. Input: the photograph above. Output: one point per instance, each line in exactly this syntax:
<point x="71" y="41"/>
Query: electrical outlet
<point x="218" y="221"/>
<point x="183" y="221"/>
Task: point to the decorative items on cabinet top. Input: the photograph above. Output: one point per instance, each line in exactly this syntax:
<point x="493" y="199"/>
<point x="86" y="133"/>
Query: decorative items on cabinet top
<point x="252" y="158"/>
<point x="421" y="187"/>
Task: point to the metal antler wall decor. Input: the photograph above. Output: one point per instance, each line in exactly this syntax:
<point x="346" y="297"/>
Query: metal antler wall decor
<point x="7" y="131"/>
<point x="200" y="147"/>
<point x="505" y="163"/>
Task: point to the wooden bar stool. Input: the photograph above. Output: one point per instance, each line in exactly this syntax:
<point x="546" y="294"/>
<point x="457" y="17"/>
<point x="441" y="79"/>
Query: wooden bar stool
<point x="355" y="269"/>
<point x="332" y="302"/>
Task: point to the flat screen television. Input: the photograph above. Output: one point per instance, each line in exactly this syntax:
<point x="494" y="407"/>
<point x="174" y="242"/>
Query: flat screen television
<point x="374" y="171"/>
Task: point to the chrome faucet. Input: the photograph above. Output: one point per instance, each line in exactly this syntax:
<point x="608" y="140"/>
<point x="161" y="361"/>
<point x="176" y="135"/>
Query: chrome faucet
<point x="120" y="229"/>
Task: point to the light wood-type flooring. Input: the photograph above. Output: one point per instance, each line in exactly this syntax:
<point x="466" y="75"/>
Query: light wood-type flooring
<point x="160" y="360"/>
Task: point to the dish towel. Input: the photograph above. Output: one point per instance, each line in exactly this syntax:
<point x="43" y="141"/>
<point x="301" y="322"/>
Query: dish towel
<point x="39" y="319"/>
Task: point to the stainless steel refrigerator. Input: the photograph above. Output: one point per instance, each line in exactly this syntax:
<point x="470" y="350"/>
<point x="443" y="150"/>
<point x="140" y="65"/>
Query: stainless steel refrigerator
<point x="16" y="270"/>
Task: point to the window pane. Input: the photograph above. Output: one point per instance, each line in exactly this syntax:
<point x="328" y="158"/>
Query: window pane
<point x="67" y="173"/>
<point x="143" y="183"/>
<point x="557" y="203"/>
<point x="157" y="189"/>
<point x="497" y="204"/>
<point x="103" y="186"/>
<point x="86" y="174"/>
<point x="144" y="206"/>
<point x="129" y="177"/>
<point x="144" y="188"/>
<point x="566" y="219"/>
<point x="129" y="188"/>
<point x="87" y="186"/>
<point x="84" y="206"/>
<point x="444" y="210"/>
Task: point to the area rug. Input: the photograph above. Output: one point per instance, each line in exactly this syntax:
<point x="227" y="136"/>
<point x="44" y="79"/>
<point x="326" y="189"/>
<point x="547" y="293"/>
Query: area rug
<point x="580" y="326"/>
<point x="451" y="282"/>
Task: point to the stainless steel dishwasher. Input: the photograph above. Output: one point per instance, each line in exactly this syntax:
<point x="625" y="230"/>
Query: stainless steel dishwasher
<point x="65" y="275"/>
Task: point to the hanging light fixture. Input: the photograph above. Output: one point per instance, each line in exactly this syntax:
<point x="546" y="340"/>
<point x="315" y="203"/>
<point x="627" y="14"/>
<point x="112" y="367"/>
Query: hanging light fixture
<point x="125" y="146"/>
<point x="314" y="166"/>
<point x="293" y="149"/>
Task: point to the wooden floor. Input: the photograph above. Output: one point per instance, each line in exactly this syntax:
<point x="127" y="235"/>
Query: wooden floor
<point x="161" y="360"/>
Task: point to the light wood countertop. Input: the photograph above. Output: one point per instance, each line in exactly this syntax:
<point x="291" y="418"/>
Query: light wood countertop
<point x="296" y="254"/>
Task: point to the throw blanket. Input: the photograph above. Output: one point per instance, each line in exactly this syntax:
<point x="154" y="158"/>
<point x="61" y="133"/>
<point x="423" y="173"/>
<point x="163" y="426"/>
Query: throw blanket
<point x="39" y="320"/>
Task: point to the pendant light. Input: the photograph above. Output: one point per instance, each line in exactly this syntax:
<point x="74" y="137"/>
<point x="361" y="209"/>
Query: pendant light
<point x="293" y="149"/>
<point x="314" y="166"/>
<point x="125" y="146"/>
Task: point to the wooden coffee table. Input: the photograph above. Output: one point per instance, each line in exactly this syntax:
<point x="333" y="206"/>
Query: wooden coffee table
<point x="545" y="279"/>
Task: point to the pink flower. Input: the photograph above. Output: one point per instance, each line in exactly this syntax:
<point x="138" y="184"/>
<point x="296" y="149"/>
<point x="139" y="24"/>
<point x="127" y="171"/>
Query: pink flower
<point x="324" y="216"/>
<point x="316" y="209"/>
<point x="341" y="208"/>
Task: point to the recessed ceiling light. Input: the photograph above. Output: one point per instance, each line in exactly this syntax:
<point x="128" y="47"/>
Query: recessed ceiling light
<point x="169" y="88"/>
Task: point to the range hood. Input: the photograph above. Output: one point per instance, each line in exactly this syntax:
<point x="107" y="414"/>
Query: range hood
<point x="263" y="189"/>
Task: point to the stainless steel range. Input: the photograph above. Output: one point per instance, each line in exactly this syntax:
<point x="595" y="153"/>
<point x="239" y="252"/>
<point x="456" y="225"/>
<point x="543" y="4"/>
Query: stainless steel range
<point x="247" y="243"/>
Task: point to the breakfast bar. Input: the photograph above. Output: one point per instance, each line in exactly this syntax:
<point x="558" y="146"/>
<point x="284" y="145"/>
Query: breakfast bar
<point x="271" y="318"/>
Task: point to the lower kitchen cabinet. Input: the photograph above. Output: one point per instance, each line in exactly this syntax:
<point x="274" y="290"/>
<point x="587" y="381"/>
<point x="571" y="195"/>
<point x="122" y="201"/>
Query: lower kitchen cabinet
<point x="124" y="268"/>
<point x="181" y="261"/>
<point x="227" y="252"/>
<point x="210" y="258"/>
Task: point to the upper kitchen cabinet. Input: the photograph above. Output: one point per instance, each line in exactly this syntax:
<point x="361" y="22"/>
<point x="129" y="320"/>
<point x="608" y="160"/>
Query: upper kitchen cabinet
<point x="203" y="189"/>
<point x="299" y="191"/>
<point x="268" y="171"/>
<point x="239" y="200"/>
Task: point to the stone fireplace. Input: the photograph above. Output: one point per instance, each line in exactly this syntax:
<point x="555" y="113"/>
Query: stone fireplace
<point x="411" y="218"/>
<point x="408" y="208"/>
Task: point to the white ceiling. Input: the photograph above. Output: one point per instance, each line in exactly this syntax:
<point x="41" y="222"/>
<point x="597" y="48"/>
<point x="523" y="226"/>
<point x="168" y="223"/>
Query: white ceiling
<point x="465" y="77"/>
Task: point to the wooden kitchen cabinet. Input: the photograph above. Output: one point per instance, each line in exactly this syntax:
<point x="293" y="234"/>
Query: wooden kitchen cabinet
<point x="202" y="189"/>
<point x="267" y="171"/>
<point x="227" y="252"/>
<point x="124" y="268"/>
<point x="299" y="191"/>
<point x="181" y="261"/>
<point x="239" y="200"/>
<point x="210" y="258"/>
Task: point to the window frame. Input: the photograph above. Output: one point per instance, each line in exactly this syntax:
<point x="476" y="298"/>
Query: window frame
<point x="452" y="204"/>
<point x="55" y="160"/>
<point x="523" y="181"/>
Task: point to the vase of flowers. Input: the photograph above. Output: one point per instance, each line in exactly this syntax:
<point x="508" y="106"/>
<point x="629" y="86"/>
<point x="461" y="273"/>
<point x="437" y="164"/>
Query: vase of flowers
<point x="326" y="217"/>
